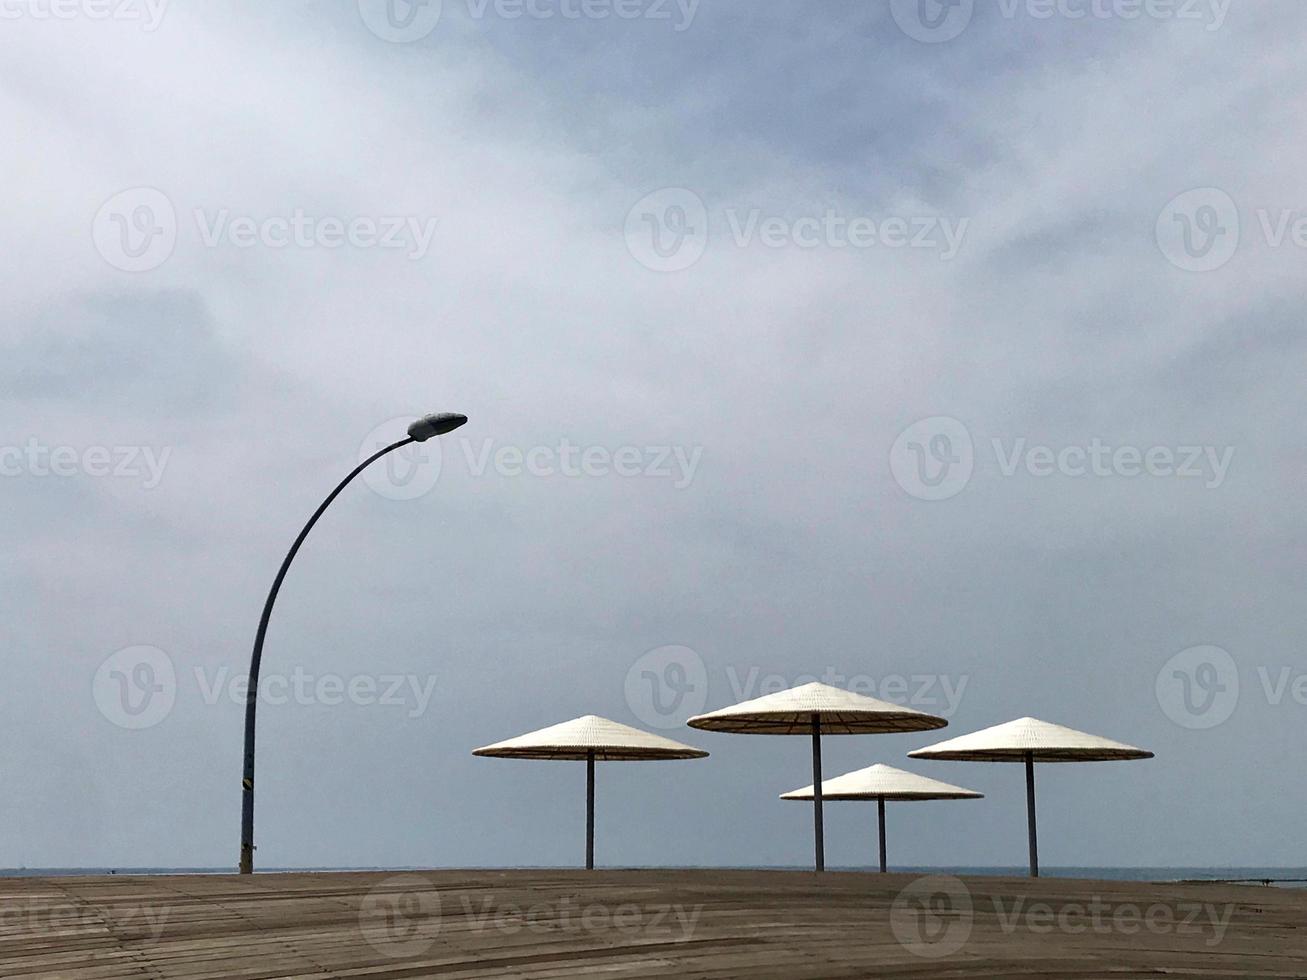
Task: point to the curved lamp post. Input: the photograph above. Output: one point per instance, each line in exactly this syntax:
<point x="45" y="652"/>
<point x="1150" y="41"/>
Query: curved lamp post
<point x="423" y="429"/>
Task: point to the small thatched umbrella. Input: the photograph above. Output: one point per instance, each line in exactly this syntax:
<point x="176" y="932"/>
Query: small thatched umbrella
<point x="817" y="709"/>
<point x="881" y="783"/>
<point x="1030" y="740"/>
<point x="590" y="739"/>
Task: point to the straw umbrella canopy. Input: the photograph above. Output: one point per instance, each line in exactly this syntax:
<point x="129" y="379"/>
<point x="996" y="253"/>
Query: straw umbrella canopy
<point x="880" y="783"/>
<point x="1030" y="740"/>
<point x="590" y="739"/>
<point x="816" y="709"/>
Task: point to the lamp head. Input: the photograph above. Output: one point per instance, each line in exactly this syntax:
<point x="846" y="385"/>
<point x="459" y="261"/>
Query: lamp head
<point x="430" y="426"/>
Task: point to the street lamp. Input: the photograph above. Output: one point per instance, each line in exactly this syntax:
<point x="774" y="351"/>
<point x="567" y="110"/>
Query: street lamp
<point x="427" y="427"/>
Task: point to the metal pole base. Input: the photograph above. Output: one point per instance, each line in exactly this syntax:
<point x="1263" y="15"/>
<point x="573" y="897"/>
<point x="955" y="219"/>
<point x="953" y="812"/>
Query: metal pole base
<point x="880" y="813"/>
<point x="818" y="836"/>
<point x="590" y="811"/>
<point x="1030" y="815"/>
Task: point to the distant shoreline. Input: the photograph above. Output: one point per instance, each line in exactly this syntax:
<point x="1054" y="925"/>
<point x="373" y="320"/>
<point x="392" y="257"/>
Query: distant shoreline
<point x="1289" y="876"/>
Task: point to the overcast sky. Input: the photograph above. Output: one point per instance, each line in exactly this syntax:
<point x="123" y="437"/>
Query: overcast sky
<point x="955" y="355"/>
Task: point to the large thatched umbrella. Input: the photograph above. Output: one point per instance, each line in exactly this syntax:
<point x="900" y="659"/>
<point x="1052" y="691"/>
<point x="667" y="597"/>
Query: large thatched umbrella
<point x="816" y="709"/>
<point x="590" y="739"/>
<point x="881" y="783"/>
<point x="1030" y="740"/>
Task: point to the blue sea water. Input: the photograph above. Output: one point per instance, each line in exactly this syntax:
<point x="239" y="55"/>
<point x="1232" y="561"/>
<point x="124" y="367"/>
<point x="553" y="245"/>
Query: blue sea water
<point x="1294" y="877"/>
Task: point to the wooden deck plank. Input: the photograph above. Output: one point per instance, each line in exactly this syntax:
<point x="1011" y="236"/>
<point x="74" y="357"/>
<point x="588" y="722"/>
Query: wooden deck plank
<point x="623" y="925"/>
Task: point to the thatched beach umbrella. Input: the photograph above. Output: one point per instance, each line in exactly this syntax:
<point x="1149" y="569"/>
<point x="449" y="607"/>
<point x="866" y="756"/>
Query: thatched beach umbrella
<point x="816" y="709"/>
<point x="1030" y="740"/>
<point x="590" y="739"/>
<point x="881" y="783"/>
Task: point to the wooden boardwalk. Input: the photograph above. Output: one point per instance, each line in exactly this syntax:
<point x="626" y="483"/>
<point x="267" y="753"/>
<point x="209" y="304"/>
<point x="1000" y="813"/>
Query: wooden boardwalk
<point x="625" y="924"/>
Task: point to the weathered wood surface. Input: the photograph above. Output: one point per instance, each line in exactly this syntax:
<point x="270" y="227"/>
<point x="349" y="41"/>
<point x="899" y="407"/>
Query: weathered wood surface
<point x="625" y="924"/>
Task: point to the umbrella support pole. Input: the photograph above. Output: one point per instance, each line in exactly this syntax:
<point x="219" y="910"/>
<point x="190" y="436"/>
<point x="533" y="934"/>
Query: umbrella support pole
<point x="880" y="814"/>
<point x="819" y="841"/>
<point x="1030" y="814"/>
<point x="589" y="811"/>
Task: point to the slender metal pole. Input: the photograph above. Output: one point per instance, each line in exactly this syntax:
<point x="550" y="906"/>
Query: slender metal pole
<point x="252" y="695"/>
<point x="880" y="812"/>
<point x="1030" y="814"/>
<point x="590" y="811"/>
<point x="816" y="793"/>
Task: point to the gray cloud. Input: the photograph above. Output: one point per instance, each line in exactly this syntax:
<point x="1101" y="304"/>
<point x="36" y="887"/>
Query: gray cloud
<point x="793" y="550"/>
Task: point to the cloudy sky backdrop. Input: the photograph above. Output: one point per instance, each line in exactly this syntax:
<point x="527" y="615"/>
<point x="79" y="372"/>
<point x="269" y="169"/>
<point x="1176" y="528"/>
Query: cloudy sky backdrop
<point x="952" y="353"/>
